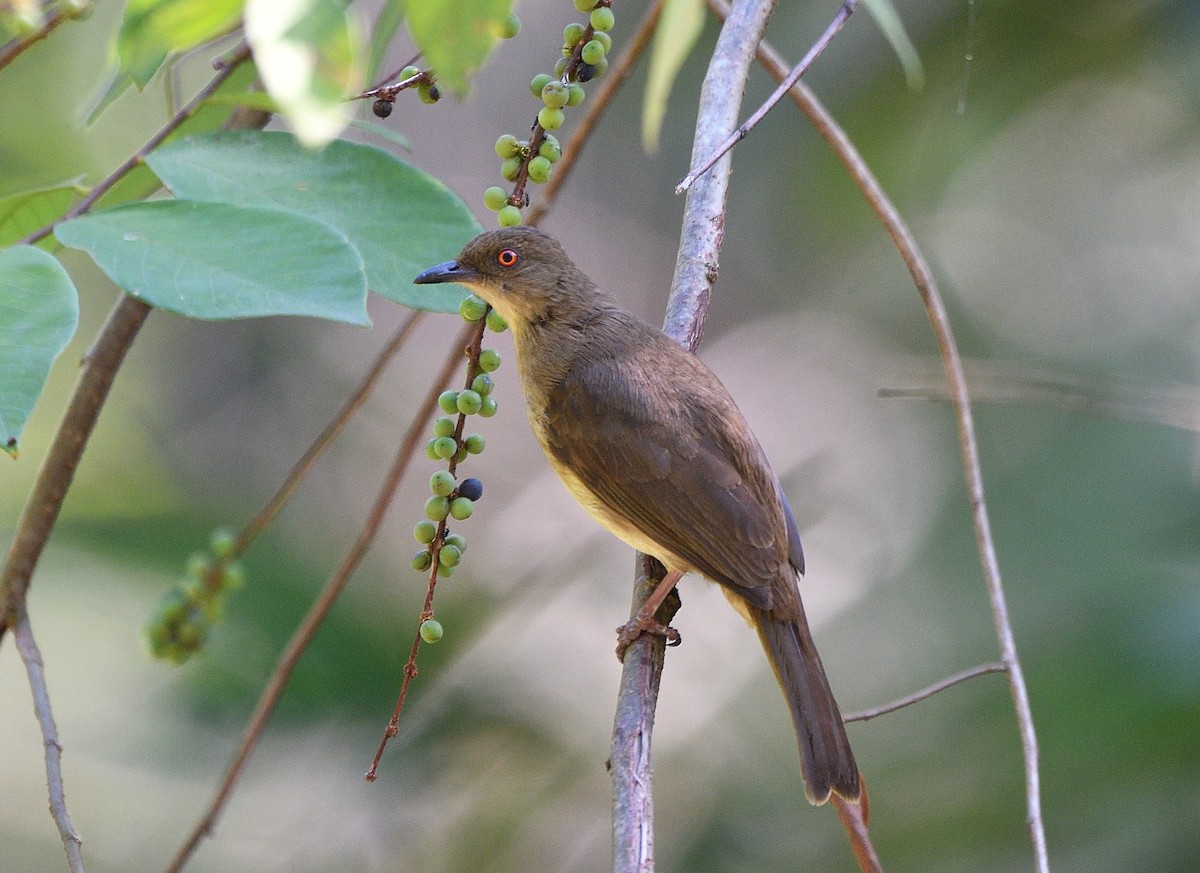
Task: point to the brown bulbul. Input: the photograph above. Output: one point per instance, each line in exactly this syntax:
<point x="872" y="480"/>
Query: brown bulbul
<point x="651" y="444"/>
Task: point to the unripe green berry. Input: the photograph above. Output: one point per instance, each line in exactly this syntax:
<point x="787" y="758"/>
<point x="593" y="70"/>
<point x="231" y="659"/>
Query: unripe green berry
<point x="494" y="198"/>
<point x="461" y="508"/>
<point x="233" y="576"/>
<point x="539" y="170"/>
<point x="444" y="426"/>
<point x="585" y="5"/>
<point x="489" y="407"/>
<point x="198" y="565"/>
<point x="509" y="170"/>
<point x="572" y="34"/>
<point x="445" y="571"/>
<point x="555" y="95"/>
<point x="461" y="456"/>
<point x="509" y="216"/>
<point x="446" y="448"/>
<point x="472" y="308"/>
<point x="600" y="68"/>
<point x="602" y="18"/>
<point x="495" y="321"/>
<point x="506" y="146"/>
<point x="429" y="93"/>
<point x="489" y="360"/>
<point x="469" y="402"/>
<point x="448" y="402"/>
<point x="483" y="384"/>
<point x="221" y="542"/>
<point x="424" y="532"/>
<point x="511" y="26"/>
<point x="437" y="508"/>
<point x="422" y="561"/>
<point x="408" y="72"/>
<point x="441" y="483"/>
<point x="475" y="443"/>
<point x="538" y="83"/>
<point x="550" y="148"/>
<point x="575" y="95"/>
<point x="431" y="450"/>
<point x="593" y="52"/>
<point x="560" y="67"/>
<point x="604" y="39"/>
<point x="449" y="556"/>
<point x="457" y="541"/>
<point x="431" y="630"/>
<point x="550" y="119"/>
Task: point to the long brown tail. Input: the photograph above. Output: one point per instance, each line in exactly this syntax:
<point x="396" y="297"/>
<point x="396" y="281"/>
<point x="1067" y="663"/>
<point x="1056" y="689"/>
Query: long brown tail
<point x="826" y="761"/>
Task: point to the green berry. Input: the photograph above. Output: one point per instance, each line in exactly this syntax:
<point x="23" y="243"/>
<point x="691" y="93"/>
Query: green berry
<point x="538" y="83"/>
<point x="604" y="39"/>
<point x="511" y="26"/>
<point x="575" y="95"/>
<point x="461" y="456"/>
<point x="456" y="541"/>
<point x="495" y="321"/>
<point x="506" y="146"/>
<point x="555" y="95"/>
<point x="593" y="52"/>
<point x="469" y="402"/>
<point x="461" y="508"/>
<point x="408" y="72"/>
<point x="437" y="508"/>
<point x="600" y="68"/>
<point x="444" y="426"/>
<point x="539" y="170"/>
<point x="431" y="630"/>
<point x="445" y="571"/>
<point x="441" y="484"/>
<point x="560" y="67"/>
<point x="431" y="450"/>
<point x="550" y="149"/>
<point x="446" y="448"/>
<point x="494" y="198"/>
<point x="509" y="216"/>
<point x="550" y="119"/>
<point x="449" y="556"/>
<point x="510" y="169"/>
<point x="489" y="407"/>
<point x="422" y="561"/>
<point x="483" y="384"/>
<point x="424" y="532"/>
<point x="572" y="34"/>
<point x="221" y="542"/>
<point x="602" y="18"/>
<point x="448" y="402"/>
<point x="489" y="360"/>
<point x="472" y="308"/>
<point x="475" y="442"/>
<point x="585" y="5"/>
<point x="198" y="565"/>
<point x="429" y="93"/>
<point x="233" y="576"/>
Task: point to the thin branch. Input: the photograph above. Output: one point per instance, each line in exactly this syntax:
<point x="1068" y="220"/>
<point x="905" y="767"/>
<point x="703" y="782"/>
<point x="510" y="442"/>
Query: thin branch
<point x="931" y="298"/>
<point x="296" y="646"/>
<point x="925" y="693"/>
<point x="32" y="658"/>
<point x="695" y="271"/>
<point x="596" y="105"/>
<point x="839" y="20"/>
<point x="11" y="49"/>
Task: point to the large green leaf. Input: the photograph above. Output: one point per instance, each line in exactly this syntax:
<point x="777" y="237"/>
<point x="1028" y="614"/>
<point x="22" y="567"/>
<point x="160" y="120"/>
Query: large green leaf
<point x="153" y="29"/>
<point x="456" y="37"/>
<point x="39" y="311"/>
<point x="400" y="219"/>
<point x="675" y="36"/>
<point x="216" y="261"/>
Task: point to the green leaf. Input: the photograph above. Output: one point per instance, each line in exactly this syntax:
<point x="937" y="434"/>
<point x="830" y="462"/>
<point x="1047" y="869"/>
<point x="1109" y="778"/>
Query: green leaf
<point x="678" y="29"/>
<point x="39" y="311"/>
<point x="391" y="16"/>
<point x="400" y="219"/>
<point x="153" y="29"/>
<point x="456" y="37"/>
<point x="308" y="53"/>
<point x="383" y="132"/>
<point x="888" y="20"/>
<point x="26" y="211"/>
<point x="217" y="261"/>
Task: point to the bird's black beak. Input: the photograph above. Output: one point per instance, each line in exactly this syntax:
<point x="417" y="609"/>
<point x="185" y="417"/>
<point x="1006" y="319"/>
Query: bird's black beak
<point x="449" y="271"/>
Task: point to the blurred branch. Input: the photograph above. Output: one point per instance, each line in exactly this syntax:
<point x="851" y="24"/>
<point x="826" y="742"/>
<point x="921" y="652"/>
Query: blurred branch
<point x="925" y="693"/>
<point x="11" y="49"/>
<point x="695" y="271"/>
<point x="828" y="128"/>
<point x="32" y="658"/>
<point x="304" y="633"/>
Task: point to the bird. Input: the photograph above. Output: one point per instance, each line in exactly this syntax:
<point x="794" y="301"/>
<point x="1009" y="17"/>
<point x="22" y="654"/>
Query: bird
<point x="650" y="442"/>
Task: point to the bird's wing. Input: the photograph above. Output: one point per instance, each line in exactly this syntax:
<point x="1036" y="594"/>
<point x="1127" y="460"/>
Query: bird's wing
<point x="675" y="459"/>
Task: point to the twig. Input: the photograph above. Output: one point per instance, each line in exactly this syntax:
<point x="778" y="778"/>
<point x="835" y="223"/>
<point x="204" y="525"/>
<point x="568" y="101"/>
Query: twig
<point x="319" y="610"/>
<point x="11" y="49"/>
<point x="924" y="693"/>
<point x="931" y="298"/>
<point x="695" y="272"/>
<point x="227" y="65"/>
<point x="32" y="658"/>
<point x="847" y="8"/>
<point x="596" y="105"/>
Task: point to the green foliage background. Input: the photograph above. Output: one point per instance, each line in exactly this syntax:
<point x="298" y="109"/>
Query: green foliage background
<point x="1052" y="182"/>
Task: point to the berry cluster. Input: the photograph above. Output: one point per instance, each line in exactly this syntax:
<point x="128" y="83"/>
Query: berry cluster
<point x="180" y="626"/>
<point x="585" y="57"/>
<point x="410" y="77"/>
<point x="452" y="498"/>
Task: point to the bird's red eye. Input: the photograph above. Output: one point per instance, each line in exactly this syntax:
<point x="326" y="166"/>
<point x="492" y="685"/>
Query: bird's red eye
<point x="507" y="258"/>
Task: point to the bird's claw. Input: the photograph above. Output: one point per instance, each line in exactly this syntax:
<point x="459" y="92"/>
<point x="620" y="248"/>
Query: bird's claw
<point x="635" y="627"/>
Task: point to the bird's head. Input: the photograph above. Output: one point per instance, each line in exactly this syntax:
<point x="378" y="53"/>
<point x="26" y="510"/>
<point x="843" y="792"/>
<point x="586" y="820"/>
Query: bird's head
<point x="523" y="273"/>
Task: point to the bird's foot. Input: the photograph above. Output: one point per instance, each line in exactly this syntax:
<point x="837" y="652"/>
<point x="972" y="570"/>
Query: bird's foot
<point x="640" y="624"/>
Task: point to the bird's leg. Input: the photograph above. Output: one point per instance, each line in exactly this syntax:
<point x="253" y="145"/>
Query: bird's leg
<point x="645" y="622"/>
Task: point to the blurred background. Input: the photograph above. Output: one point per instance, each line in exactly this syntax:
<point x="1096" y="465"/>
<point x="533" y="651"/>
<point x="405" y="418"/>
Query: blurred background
<point x="1050" y="170"/>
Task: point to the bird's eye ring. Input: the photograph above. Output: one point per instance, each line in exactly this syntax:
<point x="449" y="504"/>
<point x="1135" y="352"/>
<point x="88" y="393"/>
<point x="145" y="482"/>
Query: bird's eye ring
<point x="507" y="258"/>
